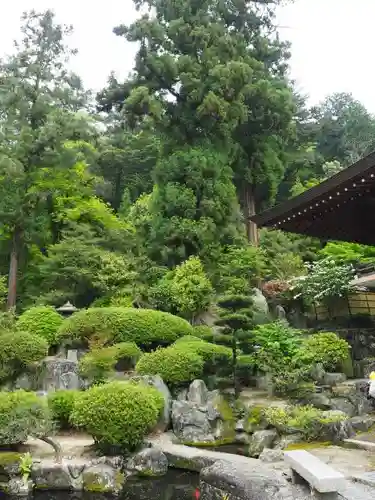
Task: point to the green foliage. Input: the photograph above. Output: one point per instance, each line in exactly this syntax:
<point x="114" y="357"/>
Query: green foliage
<point x="245" y="368"/>
<point x="324" y="282"/>
<point x="202" y="331"/>
<point x="177" y="365"/>
<point x="217" y="358"/>
<point x="343" y="252"/>
<point x="186" y="290"/>
<point x="23" y="414"/>
<point x="304" y="419"/>
<point x="61" y="404"/>
<point x="118" y="415"/>
<point x="326" y="348"/>
<point x="20" y="352"/>
<point x="98" y="364"/>
<point x="119" y="324"/>
<point x="42" y="320"/>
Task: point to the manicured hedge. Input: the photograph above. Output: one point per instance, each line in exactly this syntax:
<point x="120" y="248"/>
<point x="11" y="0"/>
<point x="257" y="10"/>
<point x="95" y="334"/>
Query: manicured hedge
<point x="118" y="415"/>
<point x="145" y="327"/>
<point x="217" y="358"/>
<point x="176" y="365"/>
<point x="61" y="404"/>
<point x="41" y="320"/>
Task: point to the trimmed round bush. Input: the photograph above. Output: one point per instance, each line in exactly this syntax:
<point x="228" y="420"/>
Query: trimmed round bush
<point x="61" y="404"/>
<point x="19" y="352"/>
<point x="23" y="414"/>
<point x="118" y="415"/>
<point x="41" y="320"/>
<point x="98" y="364"/>
<point x="202" y="331"/>
<point x="176" y="365"/>
<point x="326" y="348"/>
<point x="217" y="358"/>
<point x="121" y="324"/>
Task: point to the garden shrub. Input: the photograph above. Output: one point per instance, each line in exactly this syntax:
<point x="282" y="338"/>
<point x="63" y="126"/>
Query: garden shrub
<point x="111" y="325"/>
<point x="19" y="352"/>
<point x="307" y="420"/>
<point x="41" y="320"/>
<point x="202" y="331"/>
<point x="177" y="365"/>
<point x="23" y="414"/>
<point x="118" y="415"/>
<point x="61" y="404"/>
<point x="326" y="348"/>
<point x="245" y="368"/>
<point x="98" y="364"/>
<point x="217" y="358"/>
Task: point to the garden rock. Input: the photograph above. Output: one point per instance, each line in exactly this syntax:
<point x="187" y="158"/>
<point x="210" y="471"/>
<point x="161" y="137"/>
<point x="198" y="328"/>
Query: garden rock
<point x="260" y="440"/>
<point x="319" y="400"/>
<point x="269" y="455"/>
<point x="60" y="374"/>
<point x="286" y="441"/>
<point x="336" y="431"/>
<point x="198" y="393"/>
<point x="362" y="423"/>
<point x="344" y="405"/>
<point x="103" y="479"/>
<point x="318" y="373"/>
<point x="240" y="481"/>
<point x="52" y="476"/>
<point x="332" y="379"/>
<point x="242" y="438"/>
<point x="18" y="487"/>
<point x="150" y="462"/>
<point x="240" y="425"/>
<point x="190" y="424"/>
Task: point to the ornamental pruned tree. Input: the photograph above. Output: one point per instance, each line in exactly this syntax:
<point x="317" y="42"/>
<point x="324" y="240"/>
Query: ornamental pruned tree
<point x="39" y="100"/>
<point x="236" y="317"/>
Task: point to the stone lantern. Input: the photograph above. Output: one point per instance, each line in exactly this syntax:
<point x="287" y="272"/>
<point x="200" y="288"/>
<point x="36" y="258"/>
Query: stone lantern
<point x="67" y="309"/>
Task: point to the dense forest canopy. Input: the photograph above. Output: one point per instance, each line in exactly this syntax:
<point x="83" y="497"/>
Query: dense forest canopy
<point x="144" y="191"/>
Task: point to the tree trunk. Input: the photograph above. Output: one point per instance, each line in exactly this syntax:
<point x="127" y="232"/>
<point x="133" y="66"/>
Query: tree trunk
<point x="13" y="270"/>
<point x="251" y="227"/>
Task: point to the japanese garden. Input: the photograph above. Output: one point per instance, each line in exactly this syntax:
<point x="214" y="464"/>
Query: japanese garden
<point x="186" y="278"/>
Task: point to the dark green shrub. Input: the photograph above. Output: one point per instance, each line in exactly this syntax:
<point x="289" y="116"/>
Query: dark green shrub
<point x="19" y="352"/>
<point x="111" y="325"/>
<point x="41" y="320"/>
<point x="23" y="414"/>
<point x="118" y="415"/>
<point x="98" y="364"/>
<point x="176" y="365"/>
<point x="61" y="404"/>
<point x="217" y="358"/>
<point x="246" y="368"/>
<point x="326" y="348"/>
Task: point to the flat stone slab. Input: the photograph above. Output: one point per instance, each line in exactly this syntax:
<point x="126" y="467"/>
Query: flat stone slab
<point x="367" y="478"/>
<point x="361" y="444"/>
<point x="319" y="475"/>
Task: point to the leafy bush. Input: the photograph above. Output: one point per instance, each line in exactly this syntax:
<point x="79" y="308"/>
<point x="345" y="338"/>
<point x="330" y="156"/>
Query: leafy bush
<point x="277" y="346"/>
<point x="176" y="364"/>
<point x="201" y="331"/>
<point x="61" y="404"/>
<point x="19" y="352"/>
<point x="41" y="320"/>
<point x="23" y="414"/>
<point x="305" y="419"/>
<point x="326" y="348"/>
<point x="118" y="414"/>
<point x="245" y="368"/>
<point x="111" y="325"/>
<point x="98" y="364"/>
<point x="217" y="358"/>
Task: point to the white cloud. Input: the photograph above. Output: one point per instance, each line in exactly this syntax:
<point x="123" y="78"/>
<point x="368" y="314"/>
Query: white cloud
<point x="331" y="41"/>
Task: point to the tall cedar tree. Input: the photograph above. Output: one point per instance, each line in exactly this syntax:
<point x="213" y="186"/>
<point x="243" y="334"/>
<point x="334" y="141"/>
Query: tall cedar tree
<point x="38" y="102"/>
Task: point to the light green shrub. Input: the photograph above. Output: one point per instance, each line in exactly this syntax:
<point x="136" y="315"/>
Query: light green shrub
<point x="19" y="352"/>
<point x="176" y="365"/>
<point x="41" y="320"/>
<point x="118" y="415"/>
<point x="326" y="348"/>
<point x="23" y="414"/>
<point x="99" y="363"/>
<point x="202" y="331"/>
<point x="111" y="325"/>
<point x="61" y="404"/>
<point x="217" y="358"/>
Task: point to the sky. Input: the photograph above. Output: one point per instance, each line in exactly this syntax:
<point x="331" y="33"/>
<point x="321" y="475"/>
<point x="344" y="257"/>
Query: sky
<point x="331" y="41"/>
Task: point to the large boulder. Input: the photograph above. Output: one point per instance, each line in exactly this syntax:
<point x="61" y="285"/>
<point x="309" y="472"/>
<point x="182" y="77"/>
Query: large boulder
<point x="260" y="440"/>
<point x="362" y="423"/>
<point x="53" y="476"/>
<point x="344" y="405"/>
<point x="102" y="478"/>
<point x="150" y="462"/>
<point x="60" y="374"/>
<point x="190" y="424"/>
<point x="337" y="427"/>
<point x="198" y="393"/>
<point x="243" y="481"/>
